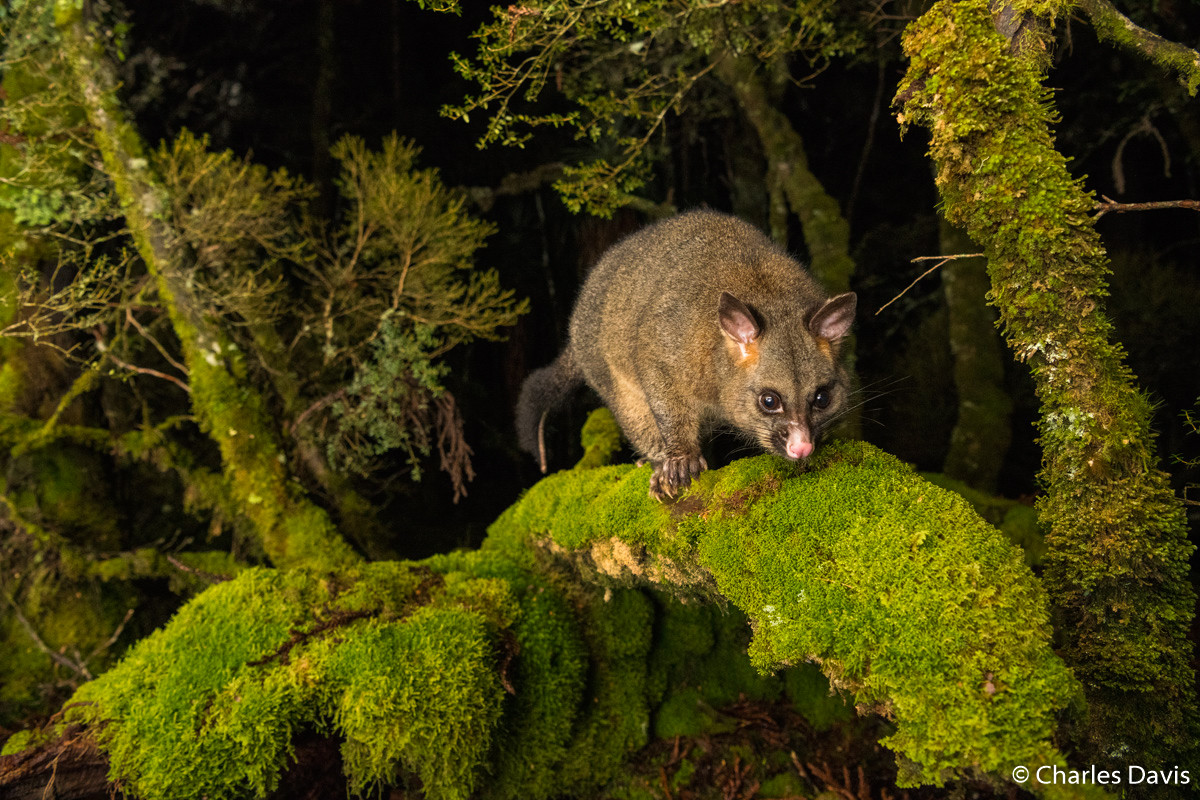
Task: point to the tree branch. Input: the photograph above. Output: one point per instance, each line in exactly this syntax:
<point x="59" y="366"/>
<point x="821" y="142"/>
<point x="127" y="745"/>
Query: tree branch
<point x="1112" y="206"/>
<point x="1113" y="26"/>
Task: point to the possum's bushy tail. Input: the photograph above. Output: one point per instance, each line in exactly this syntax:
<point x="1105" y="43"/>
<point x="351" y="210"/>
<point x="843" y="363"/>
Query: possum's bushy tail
<point x="543" y="391"/>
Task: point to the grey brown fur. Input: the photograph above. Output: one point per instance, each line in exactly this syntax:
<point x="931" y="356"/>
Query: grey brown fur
<point x="693" y="321"/>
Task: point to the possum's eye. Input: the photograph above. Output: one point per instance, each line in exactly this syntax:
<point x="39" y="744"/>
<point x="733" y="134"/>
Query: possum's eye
<point x="821" y="398"/>
<point x="769" y="401"/>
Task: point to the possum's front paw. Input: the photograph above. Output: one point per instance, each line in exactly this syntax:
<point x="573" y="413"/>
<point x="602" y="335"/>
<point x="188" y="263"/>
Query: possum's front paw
<point x="671" y="476"/>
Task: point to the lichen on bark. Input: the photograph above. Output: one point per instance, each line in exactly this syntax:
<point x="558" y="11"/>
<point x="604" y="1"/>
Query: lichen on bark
<point x="1118" y="551"/>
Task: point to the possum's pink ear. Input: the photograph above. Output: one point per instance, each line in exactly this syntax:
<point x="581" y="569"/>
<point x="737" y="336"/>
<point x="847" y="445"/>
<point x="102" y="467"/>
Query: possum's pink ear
<point x="736" y="320"/>
<point x="832" y="321"/>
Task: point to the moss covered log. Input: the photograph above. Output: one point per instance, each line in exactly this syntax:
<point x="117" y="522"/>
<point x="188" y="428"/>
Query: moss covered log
<point x="548" y="656"/>
<point x="1118" y="550"/>
<point x="291" y="529"/>
<point x="1113" y="26"/>
<point x="853" y="564"/>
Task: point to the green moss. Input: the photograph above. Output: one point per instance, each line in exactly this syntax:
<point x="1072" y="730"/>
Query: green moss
<point x="1016" y="520"/>
<point x="500" y="661"/>
<point x="785" y="784"/>
<point x="699" y="665"/>
<point x="614" y="718"/>
<point x="601" y="437"/>
<point x="200" y="569"/>
<point x="386" y="657"/>
<point x="817" y="702"/>
<point x="423" y="695"/>
<point x="72" y="617"/>
<point x="65" y="488"/>
<point x="21" y="740"/>
<point x="896" y="587"/>
<point x="466" y="664"/>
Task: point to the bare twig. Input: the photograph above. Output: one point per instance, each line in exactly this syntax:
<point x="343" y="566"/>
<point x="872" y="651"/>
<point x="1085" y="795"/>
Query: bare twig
<point x="78" y="667"/>
<point x="1118" y="162"/>
<point x="157" y="346"/>
<point x="1112" y="206"/>
<point x="199" y="573"/>
<point x="340" y="394"/>
<point x="111" y="640"/>
<point x="944" y="259"/>
<point x="102" y="346"/>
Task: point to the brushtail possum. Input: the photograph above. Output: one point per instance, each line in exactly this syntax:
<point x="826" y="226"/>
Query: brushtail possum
<point x="694" y="321"/>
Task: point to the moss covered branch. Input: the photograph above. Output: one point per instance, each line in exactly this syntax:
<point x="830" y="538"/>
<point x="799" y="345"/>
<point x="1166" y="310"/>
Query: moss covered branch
<point x="1113" y="26"/>
<point x="291" y="528"/>
<point x="1117" y="563"/>
<point x="853" y="579"/>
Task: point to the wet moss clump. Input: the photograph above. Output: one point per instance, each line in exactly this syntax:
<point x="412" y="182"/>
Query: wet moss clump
<point x="534" y="666"/>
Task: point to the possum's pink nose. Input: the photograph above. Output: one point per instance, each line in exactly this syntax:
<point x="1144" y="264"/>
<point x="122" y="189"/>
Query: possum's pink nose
<point x="798" y="443"/>
<point x="800" y="449"/>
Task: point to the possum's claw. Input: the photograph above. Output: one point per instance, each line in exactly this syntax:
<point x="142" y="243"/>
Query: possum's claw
<point x="672" y="475"/>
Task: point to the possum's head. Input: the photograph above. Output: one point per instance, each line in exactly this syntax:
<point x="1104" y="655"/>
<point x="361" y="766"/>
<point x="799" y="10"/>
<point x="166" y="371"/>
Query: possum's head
<point x="787" y="383"/>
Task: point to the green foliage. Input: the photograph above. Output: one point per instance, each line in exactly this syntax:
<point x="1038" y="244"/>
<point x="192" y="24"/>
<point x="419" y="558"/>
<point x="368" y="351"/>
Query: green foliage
<point x="179" y="314"/>
<point x="899" y="591"/>
<point x="387" y="401"/>
<point x="238" y="219"/>
<point x="623" y="67"/>
<point x="43" y="160"/>
<point x="390" y="293"/>
<point x="405" y="247"/>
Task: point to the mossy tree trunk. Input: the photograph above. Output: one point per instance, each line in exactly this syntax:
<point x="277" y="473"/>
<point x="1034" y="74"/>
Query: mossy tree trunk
<point x="983" y="429"/>
<point x="292" y="530"/>
<point x="1118" y="557"/>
